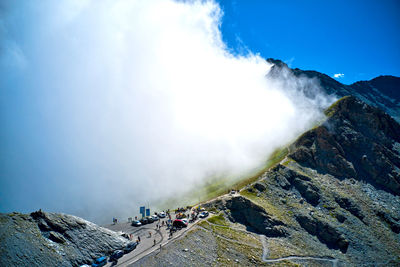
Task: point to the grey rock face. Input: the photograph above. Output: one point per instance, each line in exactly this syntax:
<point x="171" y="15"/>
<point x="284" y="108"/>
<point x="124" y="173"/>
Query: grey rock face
<point x="349" y="205"/>
<point x="248" y="213"/>
<point x="259" y="186"/>
<point x="289" y="179"/>
<point x="52" y="239"/>
<point x="326" y="233"/>
<point x="253" y="216"/>
<point x="392" y="221"/>
<point x="356" y="141"/>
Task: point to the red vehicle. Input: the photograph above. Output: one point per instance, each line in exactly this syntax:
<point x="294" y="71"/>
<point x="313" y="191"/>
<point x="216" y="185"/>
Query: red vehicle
<point x="179" y="223"/>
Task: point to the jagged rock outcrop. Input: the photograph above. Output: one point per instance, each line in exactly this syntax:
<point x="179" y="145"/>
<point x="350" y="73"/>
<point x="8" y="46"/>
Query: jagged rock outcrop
<point x="326" y="232"/>
<point x="289" y="179"/>
<point x="52" y="239"/>
<point x="349" y="205"/>
<point x="254" y="217"/>
<point x="393" y="220"/>
<point x="248" y="213"/>
<point x="356" y="141"/>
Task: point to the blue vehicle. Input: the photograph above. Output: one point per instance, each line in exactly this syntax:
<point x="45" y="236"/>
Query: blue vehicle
<point x="100" y="262"/>
<point x="130" y="247"/>
<point x="116" y="255"/>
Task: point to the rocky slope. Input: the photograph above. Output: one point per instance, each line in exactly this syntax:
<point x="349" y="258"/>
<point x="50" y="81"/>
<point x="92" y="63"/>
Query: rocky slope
<point x="382" y="92"/>
<point x="338" y="189"/>
<point x="333" y="201"/>
<point x="52" y="239"/>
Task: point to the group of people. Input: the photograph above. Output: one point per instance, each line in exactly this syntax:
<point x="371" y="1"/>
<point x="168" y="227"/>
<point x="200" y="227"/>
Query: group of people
<point x="193" y="216"/>
<point x="168" y="222"/>
<point x="182" y="209"/>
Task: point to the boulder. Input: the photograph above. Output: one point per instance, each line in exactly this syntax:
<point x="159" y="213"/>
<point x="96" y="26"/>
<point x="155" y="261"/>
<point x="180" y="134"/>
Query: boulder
<point x="259" y="186"/>
<point x="324" y="231"/>
<point x="246" y="212"/>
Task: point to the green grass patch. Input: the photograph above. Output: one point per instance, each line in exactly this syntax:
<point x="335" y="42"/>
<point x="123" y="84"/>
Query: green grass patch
<point x="237" y="235"/>
<point x="332" y="109"/>
<point x="218" y="219"/>
<point x="205" y="225"/>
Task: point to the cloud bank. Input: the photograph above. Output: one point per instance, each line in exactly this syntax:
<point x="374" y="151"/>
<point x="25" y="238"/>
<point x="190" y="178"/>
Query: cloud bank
<point x="108" y="105"/>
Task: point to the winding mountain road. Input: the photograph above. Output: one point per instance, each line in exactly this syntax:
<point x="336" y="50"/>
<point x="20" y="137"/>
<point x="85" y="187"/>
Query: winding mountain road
<point x="265" y="253"/>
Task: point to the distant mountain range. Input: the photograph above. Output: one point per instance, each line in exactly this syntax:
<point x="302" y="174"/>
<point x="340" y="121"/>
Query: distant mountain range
<point x="382" y="92"/>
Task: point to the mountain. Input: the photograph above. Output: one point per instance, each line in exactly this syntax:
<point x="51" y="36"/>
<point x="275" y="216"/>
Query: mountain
<point x="53" y="239"/>
<point x="382" y="92"/>
<point x="331" y="199"/>
<point x="334" y="200"/>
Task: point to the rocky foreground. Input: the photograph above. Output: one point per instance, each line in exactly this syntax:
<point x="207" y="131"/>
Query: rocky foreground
<point x="332" y="201"/>
<point x="53" y="239"/>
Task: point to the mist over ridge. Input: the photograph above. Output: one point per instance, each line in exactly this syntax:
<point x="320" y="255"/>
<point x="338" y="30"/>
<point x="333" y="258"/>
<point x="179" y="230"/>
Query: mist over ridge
<point x="110" y="105"/>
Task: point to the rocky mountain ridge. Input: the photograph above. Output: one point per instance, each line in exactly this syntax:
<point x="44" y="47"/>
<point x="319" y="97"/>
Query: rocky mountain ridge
<point x="53" y="239"/>
<point x="356" y="141"/>
<point x="382" y="92"/>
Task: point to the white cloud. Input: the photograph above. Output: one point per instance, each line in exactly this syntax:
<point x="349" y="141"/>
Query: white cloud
<point x="128" y="101"/>
<point x="338" y="75"/>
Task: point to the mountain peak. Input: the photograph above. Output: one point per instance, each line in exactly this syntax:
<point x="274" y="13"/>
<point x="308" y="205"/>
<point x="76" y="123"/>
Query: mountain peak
<point x="277" y="62"/>
<point x="382" y="92"/>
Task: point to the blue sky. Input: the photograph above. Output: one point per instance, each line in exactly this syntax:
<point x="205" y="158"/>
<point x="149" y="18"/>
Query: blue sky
<point x="360" y="39"/>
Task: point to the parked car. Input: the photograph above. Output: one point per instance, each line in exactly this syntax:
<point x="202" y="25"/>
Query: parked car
<point x="149" y="219"/>
<point x="179" y="223"/>
<point x="116" y="255"/>
<point x="136" y="223"/>
<point x="144" y="221"/>
<point x="131" y="246"/>
<point x="100" y="262"/>
<point x="154" y="217"/>
<point x="161" y="214"/>
<point x="203" y="214"/>
<point x="185" y="221"/>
